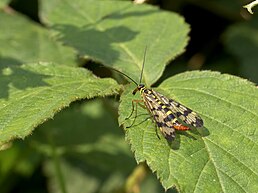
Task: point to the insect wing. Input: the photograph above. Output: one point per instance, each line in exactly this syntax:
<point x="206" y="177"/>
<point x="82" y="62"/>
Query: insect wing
<point x="180" y="111"/>
<point x="158" y="115"/>
<point x="162" y="116"/>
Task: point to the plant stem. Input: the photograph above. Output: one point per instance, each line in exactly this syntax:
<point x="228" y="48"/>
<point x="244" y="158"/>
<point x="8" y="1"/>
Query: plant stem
<point x="56" y="160"/>
<point x="133" y="181"/>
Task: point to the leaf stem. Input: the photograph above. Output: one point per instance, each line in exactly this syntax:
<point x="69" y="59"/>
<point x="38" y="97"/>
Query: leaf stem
<point x="56" y="160"/>
<point x="132" y="183"/>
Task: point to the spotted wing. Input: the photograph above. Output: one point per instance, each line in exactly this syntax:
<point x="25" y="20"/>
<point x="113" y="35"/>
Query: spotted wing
<point x="167" y="123"/>
<point x="180" y="111"/>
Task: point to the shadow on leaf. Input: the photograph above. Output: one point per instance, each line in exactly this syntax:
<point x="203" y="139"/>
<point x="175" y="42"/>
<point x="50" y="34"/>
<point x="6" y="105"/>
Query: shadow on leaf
<point x="175" y="144"/>
<point x="20" y="78"/>
<point x="94" y="42"/>
<point x="123" y="13"/>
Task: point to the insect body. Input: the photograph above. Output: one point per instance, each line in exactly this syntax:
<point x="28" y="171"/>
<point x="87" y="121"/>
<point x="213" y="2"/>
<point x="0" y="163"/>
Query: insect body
<point x="168" y="114"/>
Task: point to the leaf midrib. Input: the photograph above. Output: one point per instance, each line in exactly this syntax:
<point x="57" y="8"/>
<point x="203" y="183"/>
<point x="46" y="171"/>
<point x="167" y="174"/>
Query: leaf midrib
<point x="227" y="153"/>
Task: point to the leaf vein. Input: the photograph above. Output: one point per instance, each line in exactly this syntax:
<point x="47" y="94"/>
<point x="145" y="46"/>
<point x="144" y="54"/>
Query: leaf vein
<point x="232" y="156"/>
<point x="200" y="175"/>
<point x="232" y="180"/>
<point x="224" y="100"/>
<point x="230" y="91"/>
<point x="224" y="124"/>
<point x="215" y="167"/>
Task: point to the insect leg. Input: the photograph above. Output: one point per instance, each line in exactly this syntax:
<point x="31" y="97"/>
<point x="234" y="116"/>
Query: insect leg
<point x="140" y="122"/>
<point x="133" y="101"/>
<point x="136" y="102"/>
<point x="156" y="130"/>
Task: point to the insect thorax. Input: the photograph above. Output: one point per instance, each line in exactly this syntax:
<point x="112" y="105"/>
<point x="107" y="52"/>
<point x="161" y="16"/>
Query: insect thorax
<point x="141" y="87"/>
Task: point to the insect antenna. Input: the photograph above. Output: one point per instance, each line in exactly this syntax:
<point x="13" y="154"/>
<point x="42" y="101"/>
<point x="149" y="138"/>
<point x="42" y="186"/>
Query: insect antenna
<point x="144" y="56"/>
<point x="122" y="74"/>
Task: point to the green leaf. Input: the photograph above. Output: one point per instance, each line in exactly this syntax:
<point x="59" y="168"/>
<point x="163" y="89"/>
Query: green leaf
<point x="221" y="156"/>
<point x="32" y="93"/>
<point x="24" y="41"/>
<point x="242" y="41"/>
<point x="116" y="33"/>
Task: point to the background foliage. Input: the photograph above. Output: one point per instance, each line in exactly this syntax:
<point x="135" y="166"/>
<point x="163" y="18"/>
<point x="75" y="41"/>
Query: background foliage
<point x="50" y="57"/>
